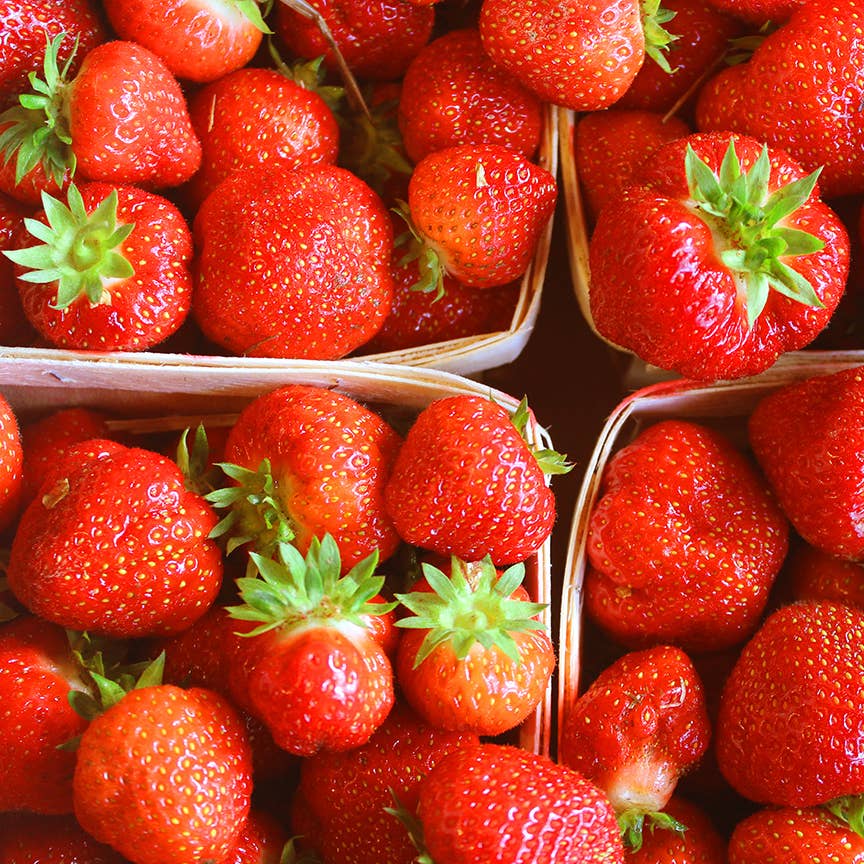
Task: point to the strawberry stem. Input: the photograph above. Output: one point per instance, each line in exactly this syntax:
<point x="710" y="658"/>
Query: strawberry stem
<point x="633" y="823"/>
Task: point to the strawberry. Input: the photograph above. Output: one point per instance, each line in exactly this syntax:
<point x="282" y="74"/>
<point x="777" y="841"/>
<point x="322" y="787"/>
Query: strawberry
<point x="699" y="843"/>
<point x="14" y="327"/>
<point x="759" y="12"/>
<point x="27" y="838"/>
<point x="571" y="55"/>
<point x="817" y="483"/>
<point x="801" y="91"/>
<point x="341" y="801"/>
<point x="473" y="656"/>
<point x="454" y="94"/>
<point x="466" y="483"/>
<point x="685" y="541"/>
<point x="720" y="257"/>
<point x="114" y="544"/>
<point x="789" y="835"/>
<point x="164" y="776"/>
<point x="377" y="38"/>
<point x="307" y="461"/>
<point x="482" y="209"/>
<point x="311" y="669"/>
<point x="261" y="841"/>
<point x="113" y="270"/>
<point x="815" y="575"/>
<point x="532" y="810"/>
<point x="199" y="40"/>
<point x="640" y="725"/>
<point x="317" y="289"/>
<point x="37" y="671"/>
<point x="788" y="728"/>
<point x="121" y="119"/>
<point x="252" y="116"/>
<point x="11" y="465"/>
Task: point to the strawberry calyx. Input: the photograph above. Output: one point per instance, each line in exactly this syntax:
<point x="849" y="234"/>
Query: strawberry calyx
<point x="634" y="822"/>
<point x="849" y="809"/>
<point x="657" y="37"/>
<point x="430" y="268"/>
<point x="412" y="824"/>
<point x="199" y="475"/>
<point x="309" y="74"/>
<point x="252" y="10"/>
<point x="550" y="461"/>
<point x="737" y="207"/>
<point x="472" y="605"/>
<point x="80" y="250"/>
<point x="291" y="589"/>
<point x="38" y="129"/>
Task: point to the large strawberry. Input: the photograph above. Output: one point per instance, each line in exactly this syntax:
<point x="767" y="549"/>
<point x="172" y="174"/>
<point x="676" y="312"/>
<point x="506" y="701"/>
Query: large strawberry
<point x="115" y="544"/>
<point x="789" y="728"/>
<point x="801" y="91"/>
<point x="11" y="465"/>
<point x="684" y="542"/>
<point x="293" y="263"/>
<point x="720" y="257"/>
<point x="806" y="438"/>
<point x="466" y="483"/>
<point x="113" y="270"/>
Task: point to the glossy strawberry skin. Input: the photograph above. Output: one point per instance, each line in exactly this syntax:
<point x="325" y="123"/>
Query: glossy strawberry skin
<point x="815" y="575"/>
<point x="466" y="484"/>
<point x="37" y="671"/>
<point x="788" y="732"/>
<point x="805" y="437"/>
<point x="92" y="551"/>
<point x="27" y="838"/>
<point x="261" y="841"/>
<point x="164" y="776"/>
<point x="684" y="543"/>
<point x="317" y="291"/>
<point x="806" y="79"/>
<point x="11" y="465"/>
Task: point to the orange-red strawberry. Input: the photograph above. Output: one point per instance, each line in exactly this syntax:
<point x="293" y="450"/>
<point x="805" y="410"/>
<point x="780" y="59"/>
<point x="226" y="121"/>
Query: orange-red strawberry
<point x="685" y="541"/>
<point x="116" y="545"/>
<point x="699" y="843"/>
<point x="27" y="838"/>
<point x="11" y="465"/>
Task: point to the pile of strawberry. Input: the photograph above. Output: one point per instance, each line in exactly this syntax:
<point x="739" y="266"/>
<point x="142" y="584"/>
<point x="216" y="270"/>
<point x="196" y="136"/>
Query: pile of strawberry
<point x="199" y="179"/>
<point x="724" y="580"/>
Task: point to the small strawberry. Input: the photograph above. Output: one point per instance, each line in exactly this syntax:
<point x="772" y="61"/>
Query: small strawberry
<point x="699" y="843"/>
<point x="15" y="329"/>
<point x="27" y="838"/>
<point x="262" y="840"/>
<point x="685" y="541"/>
<point x="466" y="483"/>
<point x="11" y="465"/>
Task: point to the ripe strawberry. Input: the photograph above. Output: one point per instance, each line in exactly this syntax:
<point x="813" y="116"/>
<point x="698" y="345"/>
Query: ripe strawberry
<point x="788" y="835"/>
<point x="340" y="803"/>
<point x="759" y="12"/>
<point x="532" y="810"/>
<point x="293" y="263"/>
<point x="11" y="465"/>
<point x="262" y="841"/>
<point x="199" y="40"/>
<point x="37" y="671"/>
<point x="801" y="91"/>
<point x="640" y="725"/>
<point x="14" y="327"/>
<point x="788" y="728"/>
<point x="164" y="777"/>
<point x="309" y="461"/>
<point x="719" y="258"/>
<point x="684" y="542"/>
<point x="114" y="544"/>
<point x="816" y="483"/>
<point x="700" y="843"/>
<point x="113" y="270"/>
<point x="816" y="575"/>
<point x="579" y="57"/>
<point x="311" y="669"/>
<point x="482" y="209"/>
<point x="254" y="116"/>
<point x="466" y="483"/>
<point x="454" y="94"/>
<point x="27" y="838"/>
<point x="377" y="38"/>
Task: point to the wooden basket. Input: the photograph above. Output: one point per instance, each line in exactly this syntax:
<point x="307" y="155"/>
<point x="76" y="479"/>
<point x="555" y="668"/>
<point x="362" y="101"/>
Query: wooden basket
<point x="727" y="405"/>
<point x="35" y="385"/>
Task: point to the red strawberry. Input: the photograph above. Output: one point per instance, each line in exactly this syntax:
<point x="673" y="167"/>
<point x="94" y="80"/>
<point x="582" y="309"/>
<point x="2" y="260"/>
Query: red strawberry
<point x="113" y="270"/>
<point x="262" y="841"/>
<point x="482" y="209"/>
<point x="640" y="725"/>
<point x="454" y="94"/>
<point x="14" y="327"/>
<point x="719" y="258"/>
<point x="26" y="838"/>
<point x="200" y="40"/>
<point x="466" y="483"/>
<point x="340" y="804"/>
<point x="37" y="672"/>
<point x="11" y="465"/>
<point x="788" y="730"/>
<point x="472" y="656"/>
<point x="494" y="803"/>
<point x="815" y="575"/>
<point x="377" y="38"/>
<point x="293" y="263"/>
<point x="114" y="544"/>
<point x="700" y="843"/>
<point x="801" y="91"/>
<point x="759" y="12"/>
<point x="788" y="835"/>
<point x="805" y="437"/>
<point x="164" y="777"/>
<point x="254" y="116"/>
<point x="685" y="541"/>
